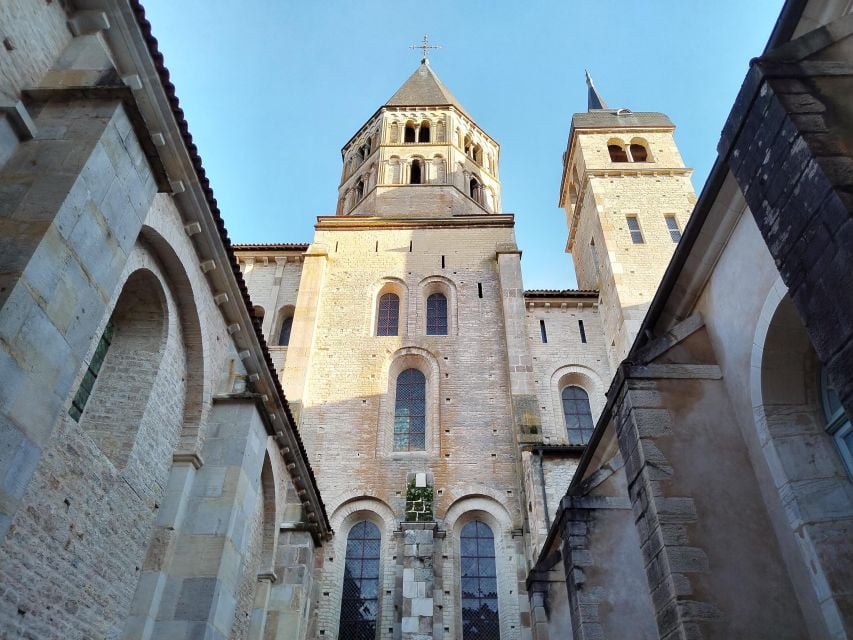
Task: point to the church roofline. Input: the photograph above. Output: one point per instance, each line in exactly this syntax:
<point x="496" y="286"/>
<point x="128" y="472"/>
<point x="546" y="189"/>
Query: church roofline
<point x="272" y="246"/>
<point x="561" y="293"/>
<point x="356" y="222"/>
<point x="137" y="11"/>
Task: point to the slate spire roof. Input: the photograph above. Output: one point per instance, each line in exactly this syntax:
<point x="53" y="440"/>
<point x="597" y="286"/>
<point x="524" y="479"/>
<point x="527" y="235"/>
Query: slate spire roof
<point x="424" y="89"/>
<point x="594" y="100"/>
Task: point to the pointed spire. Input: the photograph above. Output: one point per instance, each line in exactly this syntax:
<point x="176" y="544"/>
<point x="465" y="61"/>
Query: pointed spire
<point x="594" y="99"/>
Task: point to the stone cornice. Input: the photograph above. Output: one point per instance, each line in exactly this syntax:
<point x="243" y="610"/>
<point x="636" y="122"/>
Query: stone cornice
<point x="355" y="223"/>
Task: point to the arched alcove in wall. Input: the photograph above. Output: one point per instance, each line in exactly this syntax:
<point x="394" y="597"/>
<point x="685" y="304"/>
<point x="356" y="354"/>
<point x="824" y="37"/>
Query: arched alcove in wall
<point x="133" y="343"/>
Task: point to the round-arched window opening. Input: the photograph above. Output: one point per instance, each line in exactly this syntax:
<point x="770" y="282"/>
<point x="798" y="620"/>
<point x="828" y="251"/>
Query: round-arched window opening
<point x="423" y="132"/>
<point x="409" y="134"/>
<point x="417" y="172"/>
<point x="577" y="414"/>
<point x="617" y="153"/>
<point x="639" y="153"/>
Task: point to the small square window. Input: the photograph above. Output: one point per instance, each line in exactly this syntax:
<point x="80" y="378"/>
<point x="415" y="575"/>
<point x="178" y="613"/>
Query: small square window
<point x="672" y="226"/>
<point x="634" y="228"/>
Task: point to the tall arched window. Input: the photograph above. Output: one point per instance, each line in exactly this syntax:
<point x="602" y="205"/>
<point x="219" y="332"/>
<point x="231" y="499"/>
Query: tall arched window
<point x="638" y="153"/>
<point x="436" y="315"/>
<point x="409" y="135"/>
<point x="837" y="422"/>
<point x="410" y="411"/>
<point x="417" y="172"/>
<point x="388" y="316"/>
<point x="423" y="133"/>
<point x="479" y="583"/>
<point x="578" y="415"/>
<point x="359" y="190"/>
<point x="284" y="334"/>
<point x="617" y="153"/>
<point x="359" y="602"/>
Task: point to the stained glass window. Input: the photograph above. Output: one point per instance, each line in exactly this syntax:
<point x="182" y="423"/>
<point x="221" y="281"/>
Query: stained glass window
<point x="389" y="315"/>
<point x="436" y="315"/>
<point x="410" y="411"/>
<point x="479" y="583"/>
<point x="360" y="599"/>
<point x="577" y="414"/>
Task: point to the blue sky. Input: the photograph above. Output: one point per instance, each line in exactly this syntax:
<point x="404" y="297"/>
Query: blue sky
<point x="273" y="89"/>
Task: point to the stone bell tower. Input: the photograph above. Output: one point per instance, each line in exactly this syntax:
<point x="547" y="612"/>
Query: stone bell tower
<point x="420" y="154"/>
<point x="627" y="196"/>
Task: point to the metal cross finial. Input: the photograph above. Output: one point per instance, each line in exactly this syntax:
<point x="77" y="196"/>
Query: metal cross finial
<point x="426" y="46"/>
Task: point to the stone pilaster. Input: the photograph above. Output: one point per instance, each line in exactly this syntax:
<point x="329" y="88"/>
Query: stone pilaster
<point x="418" y="580"/>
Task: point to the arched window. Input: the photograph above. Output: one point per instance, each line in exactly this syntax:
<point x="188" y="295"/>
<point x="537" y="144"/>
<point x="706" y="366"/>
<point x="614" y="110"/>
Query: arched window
<point x="468" y="145"/>
<point x="479" y="583"/>
<point x="474" y="189"/>
<point x="417" y="172"/>
<point x="388" y="318"/>
<point x="577" y="413"/>
<point x="258" y="311"/>
<point x="477" y="154"/>
<point x="617" y="153"/>
<point x="638" y="153"/>
<point x="436" y="315"/>
<point x="360" y="599"/>
<point x="837" y="422"/>
<point x="409" y="135"/>
<point x="394" y="133"/>
<point x="359" y="190"/>
<point x="284" y="334"/>
<point x="410" y="411"/>
<point x="423" y="134"/>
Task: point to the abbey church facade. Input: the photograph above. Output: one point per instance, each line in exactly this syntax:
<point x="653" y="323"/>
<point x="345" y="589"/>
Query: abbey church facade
<point x="382" y="433"/>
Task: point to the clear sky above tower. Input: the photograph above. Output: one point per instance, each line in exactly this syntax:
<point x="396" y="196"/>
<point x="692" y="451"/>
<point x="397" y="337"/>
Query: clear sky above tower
<point x="273" y="89"/>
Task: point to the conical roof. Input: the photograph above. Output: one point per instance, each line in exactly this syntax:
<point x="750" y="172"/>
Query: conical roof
<point x="423" y="89"/>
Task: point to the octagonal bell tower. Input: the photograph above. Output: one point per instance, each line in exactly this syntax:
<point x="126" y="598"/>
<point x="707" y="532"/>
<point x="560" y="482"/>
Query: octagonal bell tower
<point x="420" y="155"/>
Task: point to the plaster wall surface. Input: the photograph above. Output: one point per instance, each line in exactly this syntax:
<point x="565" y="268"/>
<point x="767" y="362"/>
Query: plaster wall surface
<point x="795" y="493"/>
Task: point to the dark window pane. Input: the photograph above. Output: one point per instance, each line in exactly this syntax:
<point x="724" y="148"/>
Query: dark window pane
<point x="577" y="414"/>
<point x="389" y="315"/>
<point x="284" y="335"/>
<point x="479" y="609"/>
<point x="359" y="603"/>
<point x="436" y="315"/>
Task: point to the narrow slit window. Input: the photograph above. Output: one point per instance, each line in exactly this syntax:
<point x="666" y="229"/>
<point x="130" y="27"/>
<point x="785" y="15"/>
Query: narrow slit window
<point x="88" y="382"/>
<point x="436" y="315"/>
<point x="582" y="331"/>
<point x="410" y="411"/>
<point x="672" y="226"/>
<point x="542" y="332"/>
<point x="442" y="262"/>
<point x="360" y="598"/>
<point x="479" y="289"/>
<point x="634" y="228"/>
<point x="388" y="318"/>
